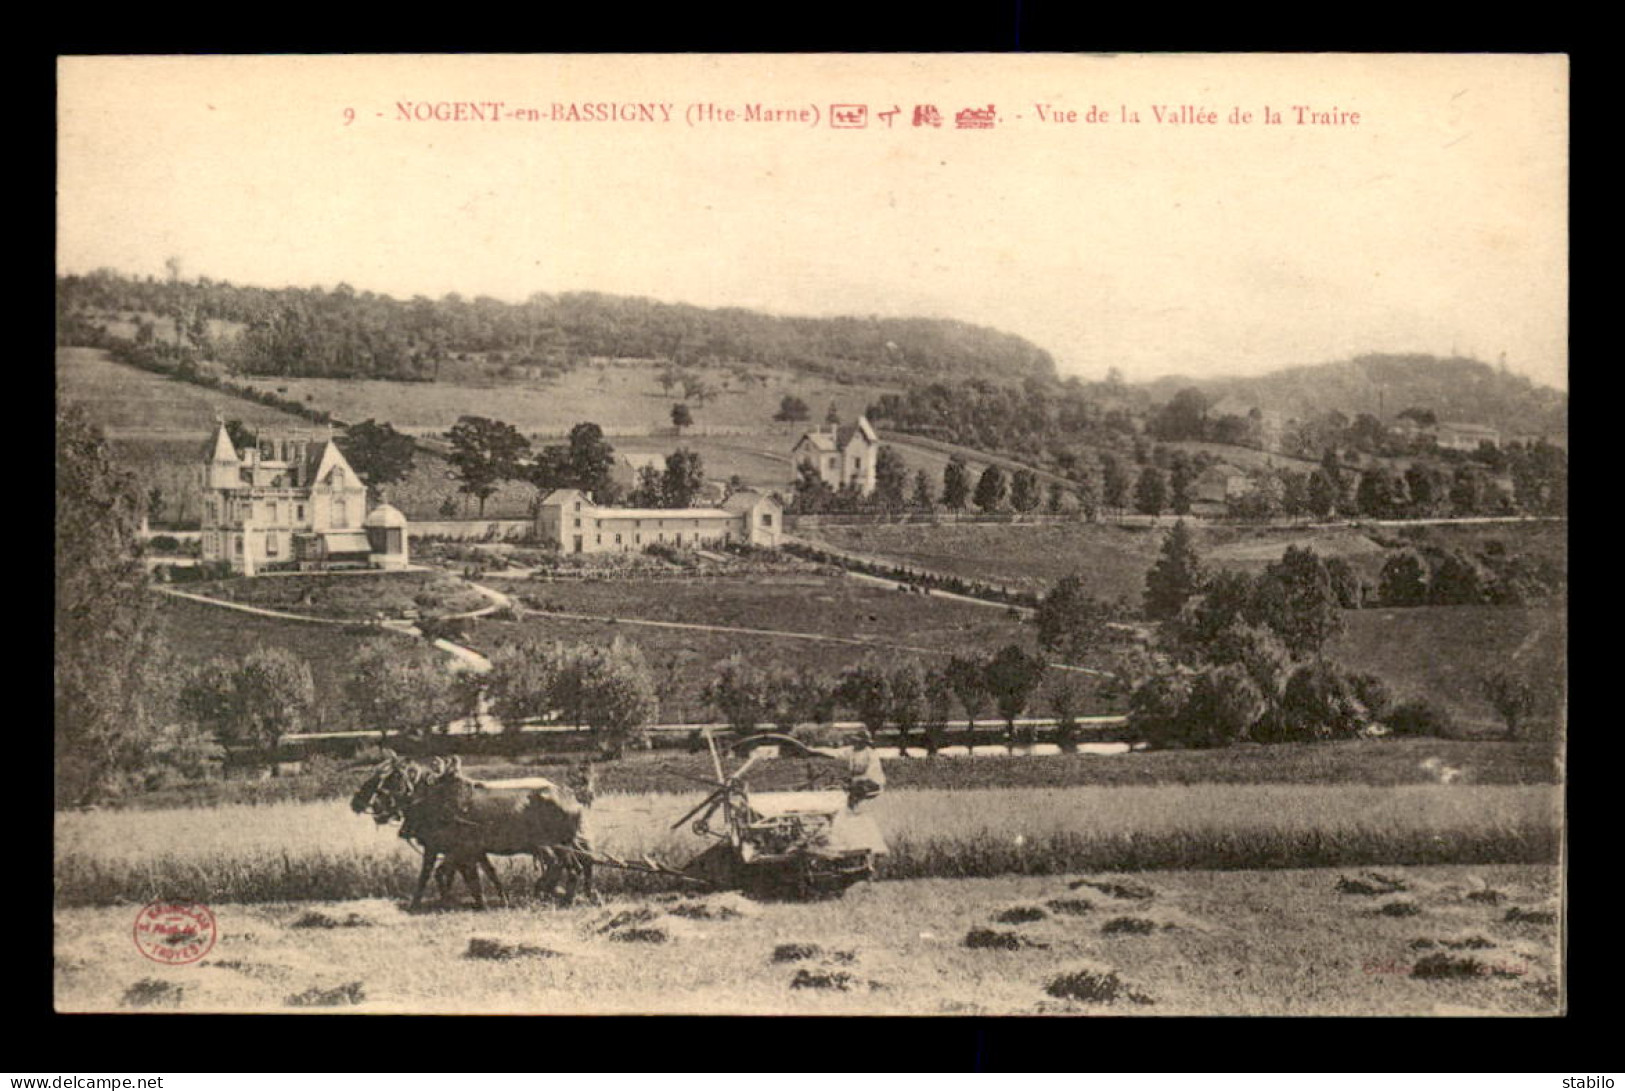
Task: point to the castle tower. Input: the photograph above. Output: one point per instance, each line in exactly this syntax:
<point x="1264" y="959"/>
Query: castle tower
<point x="225" y="468"/>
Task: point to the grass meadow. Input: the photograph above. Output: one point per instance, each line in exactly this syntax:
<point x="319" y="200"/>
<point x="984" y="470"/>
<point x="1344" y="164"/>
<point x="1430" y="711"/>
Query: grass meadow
<point x="1113" y="559"/>
<point x="622" y="397"/>
<point x="1444" y="652"/>
<point x="128" y="402"/>
<point x="322" y="851"/>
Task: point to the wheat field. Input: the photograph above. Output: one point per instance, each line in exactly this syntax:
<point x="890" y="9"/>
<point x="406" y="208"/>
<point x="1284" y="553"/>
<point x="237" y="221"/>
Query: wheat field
<point x="322" y="851"/>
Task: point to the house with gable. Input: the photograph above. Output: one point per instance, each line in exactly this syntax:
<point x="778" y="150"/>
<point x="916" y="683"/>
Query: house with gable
<point x="292" y="500"/>
<point x="844" y="455"/>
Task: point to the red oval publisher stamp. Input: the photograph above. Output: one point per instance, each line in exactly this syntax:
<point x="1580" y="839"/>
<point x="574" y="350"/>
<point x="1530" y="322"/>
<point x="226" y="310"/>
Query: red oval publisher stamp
<point x="175" y="932"/>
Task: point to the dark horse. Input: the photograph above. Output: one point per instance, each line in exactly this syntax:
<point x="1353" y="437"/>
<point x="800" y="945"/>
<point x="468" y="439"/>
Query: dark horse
<point x="463" y="821"/>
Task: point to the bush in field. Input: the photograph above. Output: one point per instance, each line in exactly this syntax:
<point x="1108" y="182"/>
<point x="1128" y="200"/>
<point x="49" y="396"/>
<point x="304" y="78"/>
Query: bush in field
<point x="1513" y="697"/>
<point x="252" y="702"/>
<point x="1373" y="694"/>
<point x="1224" y="706"/>
<point x="617" y="694"/>
<point x="1456" y="581"/>
<point x="400" y="686"/>
<point x="1420" y="716"/>
<point x="1320" y="702"/>
<point x="1157" y="707"/>
<point x="519" y="686"/>
<point x="1404" y="580"/>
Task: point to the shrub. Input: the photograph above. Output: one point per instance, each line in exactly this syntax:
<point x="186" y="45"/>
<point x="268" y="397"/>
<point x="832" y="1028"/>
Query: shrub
<point x="1420" y="716"/>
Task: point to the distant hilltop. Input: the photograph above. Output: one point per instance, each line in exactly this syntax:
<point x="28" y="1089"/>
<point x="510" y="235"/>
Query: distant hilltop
<point x="1454" y="388"/>
<point x="340" y="332"/>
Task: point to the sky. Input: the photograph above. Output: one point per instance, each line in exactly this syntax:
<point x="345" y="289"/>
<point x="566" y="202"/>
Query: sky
<point x="1437" y="224"/>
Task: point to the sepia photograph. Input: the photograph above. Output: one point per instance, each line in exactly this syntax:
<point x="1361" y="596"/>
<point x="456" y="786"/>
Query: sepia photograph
<point x="811" y="534"/>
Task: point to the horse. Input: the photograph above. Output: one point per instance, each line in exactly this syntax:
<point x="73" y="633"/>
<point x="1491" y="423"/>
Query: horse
<point x="463" y="821"/>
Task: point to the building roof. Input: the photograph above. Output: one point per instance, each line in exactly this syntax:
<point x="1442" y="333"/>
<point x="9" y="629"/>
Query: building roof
<point x="321" y="458"/>
<point x="223" y="451"/>
<point x="384" y="515"/>
<point x="848" y="432"/>
<point x="346" y="541"/>
<point x="565" y="496"/>
<point x="745" y="499"/>
<point x="841" y="437"/>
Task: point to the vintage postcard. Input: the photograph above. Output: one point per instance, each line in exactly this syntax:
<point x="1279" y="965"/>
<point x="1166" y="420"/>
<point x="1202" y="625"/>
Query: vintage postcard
<point x="811" y="534"/>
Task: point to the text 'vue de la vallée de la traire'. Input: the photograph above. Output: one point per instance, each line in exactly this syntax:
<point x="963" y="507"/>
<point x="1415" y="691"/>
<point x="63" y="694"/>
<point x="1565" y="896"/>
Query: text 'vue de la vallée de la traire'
<point x="848" y="115"/>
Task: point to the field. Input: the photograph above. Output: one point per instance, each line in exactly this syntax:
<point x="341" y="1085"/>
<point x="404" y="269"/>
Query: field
<point x="349" y="596"/>
<point x="320" y="850"/>
<point x="1443" y="652"/>
<point x="1112" y="559"/>
<point x="984" y="914"/>
<point x="128" y="402"/>
<point x="622" y="397"/>
<point x="862" y="618"/>
<point x="1228" y="943"/>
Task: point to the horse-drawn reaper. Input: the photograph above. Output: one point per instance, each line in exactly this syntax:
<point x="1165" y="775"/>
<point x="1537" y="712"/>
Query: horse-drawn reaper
<point x="807" y="843"/>
<point x="459" y="823"/>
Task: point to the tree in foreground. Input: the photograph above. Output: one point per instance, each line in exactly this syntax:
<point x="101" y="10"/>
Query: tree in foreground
<point x="276" y="696"/>
<point x="107" y="642"/>
<point x="1296" y="597"/>
<point x="519" y="687"/>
